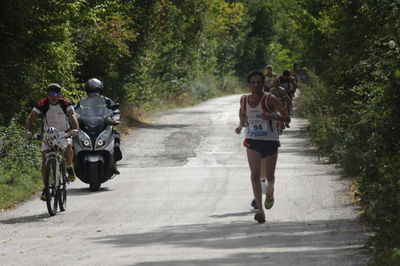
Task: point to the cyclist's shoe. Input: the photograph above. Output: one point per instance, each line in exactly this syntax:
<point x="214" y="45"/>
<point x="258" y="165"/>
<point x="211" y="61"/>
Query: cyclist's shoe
<point x="254" y="204"/>
<point x="71" y="174"/>
<point x="287" y="125"/>
<point x="43" y="195"/>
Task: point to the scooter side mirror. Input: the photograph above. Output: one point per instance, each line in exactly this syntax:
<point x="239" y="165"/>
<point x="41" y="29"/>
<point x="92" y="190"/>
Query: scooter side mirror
<point x="115" y="106"/>
<point x="111" y="122"/>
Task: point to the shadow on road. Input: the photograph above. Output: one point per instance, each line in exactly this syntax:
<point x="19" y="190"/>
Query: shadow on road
<point x="86" y="191"/>
<point x="333" y="242"/>
<point x="237" y="214"/>
<point x="161" y="126"/>
<point x="27" y="219"/>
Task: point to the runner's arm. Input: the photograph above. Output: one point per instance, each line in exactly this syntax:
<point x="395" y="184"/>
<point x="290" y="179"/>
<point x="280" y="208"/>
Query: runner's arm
<point x="242" y="119"/>
<point x="286" y="98"/>
<point x="282" y="115"/>
<point x="293" y="81"/>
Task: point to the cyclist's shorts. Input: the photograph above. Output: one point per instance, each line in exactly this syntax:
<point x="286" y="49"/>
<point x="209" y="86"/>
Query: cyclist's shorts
<point x="265" y="147"/>
<point x="46" y="147"/>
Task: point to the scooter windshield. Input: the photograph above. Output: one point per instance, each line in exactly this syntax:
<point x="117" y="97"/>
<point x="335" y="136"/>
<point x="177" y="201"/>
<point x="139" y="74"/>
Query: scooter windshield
<point x="93" y="111"/>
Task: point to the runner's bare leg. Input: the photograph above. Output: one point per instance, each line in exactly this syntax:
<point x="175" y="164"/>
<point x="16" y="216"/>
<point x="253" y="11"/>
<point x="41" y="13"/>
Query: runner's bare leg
<point x="254" y="158"/>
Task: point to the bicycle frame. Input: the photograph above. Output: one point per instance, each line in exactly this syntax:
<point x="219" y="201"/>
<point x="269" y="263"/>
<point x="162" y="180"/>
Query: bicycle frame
<point x="56" y="153"/>
<point x="55" y="179"/>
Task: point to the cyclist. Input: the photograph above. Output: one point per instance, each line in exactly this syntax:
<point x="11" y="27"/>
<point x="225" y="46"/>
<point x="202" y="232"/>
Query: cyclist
<point x="259" y="113"/>
<point x="94" y="88"/>
<point x="269" y="78"/>
<point x="57" y="112"/>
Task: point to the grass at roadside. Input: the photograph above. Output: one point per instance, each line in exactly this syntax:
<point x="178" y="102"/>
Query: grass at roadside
<point x="22" y="188"/>
<point x="19" y="166"/>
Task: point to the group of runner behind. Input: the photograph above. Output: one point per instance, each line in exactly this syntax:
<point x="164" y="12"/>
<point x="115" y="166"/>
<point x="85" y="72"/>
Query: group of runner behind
<point x="264" y="113"/>
<point x="283" y="87"/>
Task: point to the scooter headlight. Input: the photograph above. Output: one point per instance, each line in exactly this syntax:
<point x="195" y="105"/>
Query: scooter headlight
<point x="86" y="143"/>
<point x="100" y="143"/>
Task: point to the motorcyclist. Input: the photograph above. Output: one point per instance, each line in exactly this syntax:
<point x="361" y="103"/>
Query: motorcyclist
<point x="94" y="88"/>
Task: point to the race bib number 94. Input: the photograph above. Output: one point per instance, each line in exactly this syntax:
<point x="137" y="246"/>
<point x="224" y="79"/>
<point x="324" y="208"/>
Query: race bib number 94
<point x="258" y="127"/>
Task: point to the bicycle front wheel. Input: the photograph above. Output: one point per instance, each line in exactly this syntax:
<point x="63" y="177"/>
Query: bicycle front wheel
<point x="50" y="186"/>
<point x="62" y="191"/>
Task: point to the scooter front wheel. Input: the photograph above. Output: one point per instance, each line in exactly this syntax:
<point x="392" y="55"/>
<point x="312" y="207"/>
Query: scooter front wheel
<point x="93" y="176"/>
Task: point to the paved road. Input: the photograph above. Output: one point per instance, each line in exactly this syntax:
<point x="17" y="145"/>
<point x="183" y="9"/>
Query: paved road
<point x="183" y="198"/>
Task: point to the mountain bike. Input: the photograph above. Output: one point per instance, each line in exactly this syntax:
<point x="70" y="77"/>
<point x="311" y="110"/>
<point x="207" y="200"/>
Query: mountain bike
<point x="55" y="177"/>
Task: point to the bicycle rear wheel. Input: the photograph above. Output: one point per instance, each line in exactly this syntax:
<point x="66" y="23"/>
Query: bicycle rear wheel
<point x="50" y="186"/>
<point x="62" y="191"/>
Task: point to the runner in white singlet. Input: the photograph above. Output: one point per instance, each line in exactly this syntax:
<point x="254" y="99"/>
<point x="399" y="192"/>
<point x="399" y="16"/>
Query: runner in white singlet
<point x="269" y="78"/>
<point x="259" y="112"/>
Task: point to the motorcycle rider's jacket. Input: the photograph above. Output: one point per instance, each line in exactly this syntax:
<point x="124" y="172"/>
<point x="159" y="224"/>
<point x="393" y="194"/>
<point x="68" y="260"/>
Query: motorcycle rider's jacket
<point x="54" y="115"/>
<point x="103" y="102"/>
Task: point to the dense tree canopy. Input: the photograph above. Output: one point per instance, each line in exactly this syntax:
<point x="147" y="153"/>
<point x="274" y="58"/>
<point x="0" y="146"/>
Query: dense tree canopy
<point x="143" y="51"/>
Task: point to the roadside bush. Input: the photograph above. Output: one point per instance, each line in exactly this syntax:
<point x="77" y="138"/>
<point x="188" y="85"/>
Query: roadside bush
<point x="204" y="86"/>
<point x="363" y="139"/>
<point x="19" y="165"/>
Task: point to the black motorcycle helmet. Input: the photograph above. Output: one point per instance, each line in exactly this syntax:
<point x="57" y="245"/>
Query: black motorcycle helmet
<point x="94" y="85"/>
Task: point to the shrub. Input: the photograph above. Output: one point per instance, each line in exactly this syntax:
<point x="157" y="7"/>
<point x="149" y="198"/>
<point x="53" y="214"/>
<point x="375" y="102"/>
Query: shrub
<point x="19" y="165"/>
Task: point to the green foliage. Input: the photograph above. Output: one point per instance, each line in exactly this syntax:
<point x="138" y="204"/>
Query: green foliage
<point x="280" y="57"/>
<point x="37" y="49"/>
<point x="19" y="165"/>
<point x="143" y="51"/>
<point x="259" y="34"/>
<point x="354" y="106"/>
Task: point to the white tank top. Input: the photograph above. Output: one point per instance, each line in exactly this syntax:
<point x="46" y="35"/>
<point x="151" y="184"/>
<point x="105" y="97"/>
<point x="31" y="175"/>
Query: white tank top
<point x="269" y="81"/>
<point x="258" y="128"/>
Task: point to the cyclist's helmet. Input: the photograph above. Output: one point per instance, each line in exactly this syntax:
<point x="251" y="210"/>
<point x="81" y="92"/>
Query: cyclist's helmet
<point x="94" y="85"/>
<point x="54" y="89"/>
